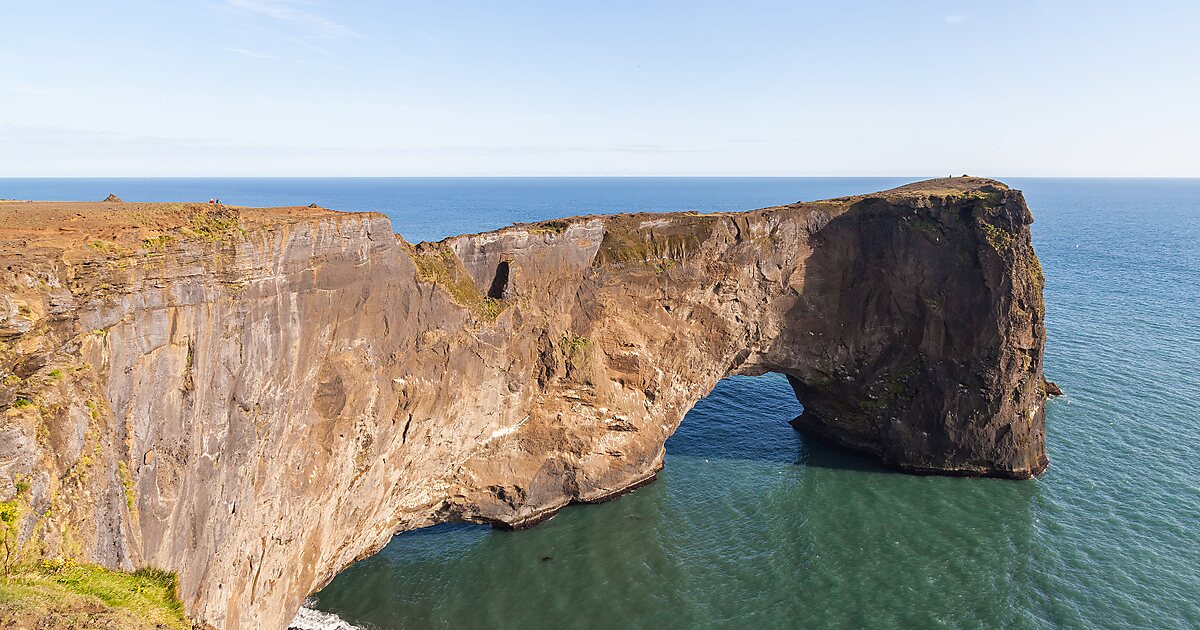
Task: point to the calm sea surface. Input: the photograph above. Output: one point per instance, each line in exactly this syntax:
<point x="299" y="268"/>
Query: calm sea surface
<point x="750" y="525"/>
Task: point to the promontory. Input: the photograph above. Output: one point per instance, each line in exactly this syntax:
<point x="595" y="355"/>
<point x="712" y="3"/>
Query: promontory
<point x="252" y="399"/>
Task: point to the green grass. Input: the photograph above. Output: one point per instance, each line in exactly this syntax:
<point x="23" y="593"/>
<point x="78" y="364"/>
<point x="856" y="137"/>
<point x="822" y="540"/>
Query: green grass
<point x="572" y="344"/>
<point x="576" y="353"/>
<point x="214" y="225"/>
<point x="442" y="267"/>
<point x="127" y="482"/>
<point x="21" y="403"/>
<point x="554" y="226"/>
<point x="108" y="248"/>
<point x="11" y="512"/>
<point x="146" y="598"/>
<point x="999" y="239"/>
<point x="627" y="242"/>
<point x="158" y="243"/>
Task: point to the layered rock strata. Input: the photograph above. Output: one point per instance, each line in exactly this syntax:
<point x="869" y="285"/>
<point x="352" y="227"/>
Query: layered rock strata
<point x="256" y="398"/>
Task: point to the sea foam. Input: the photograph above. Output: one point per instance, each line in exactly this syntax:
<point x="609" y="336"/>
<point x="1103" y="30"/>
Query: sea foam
<point x="308" y="618"/>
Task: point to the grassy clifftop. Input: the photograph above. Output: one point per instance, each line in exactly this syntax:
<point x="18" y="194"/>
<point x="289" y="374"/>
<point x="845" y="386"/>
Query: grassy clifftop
<point x="62" y="595"/>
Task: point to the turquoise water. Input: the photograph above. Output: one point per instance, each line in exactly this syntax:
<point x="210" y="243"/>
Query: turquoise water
<point x="750" y="525"/>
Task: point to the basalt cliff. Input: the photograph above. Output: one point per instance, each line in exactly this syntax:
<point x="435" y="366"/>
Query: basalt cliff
<point x="255" y="398"/>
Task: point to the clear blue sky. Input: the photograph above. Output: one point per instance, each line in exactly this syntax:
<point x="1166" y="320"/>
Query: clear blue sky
<point x="304" y="87"/>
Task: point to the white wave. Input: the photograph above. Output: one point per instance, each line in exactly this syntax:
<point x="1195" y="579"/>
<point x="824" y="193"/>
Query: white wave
<point x="312" y="619"/>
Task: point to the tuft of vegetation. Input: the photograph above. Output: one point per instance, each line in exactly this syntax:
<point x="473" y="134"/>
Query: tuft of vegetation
<point x="1038" y="280"/>
<point x="56" y="374"/>
<point x="11" y="512"/>
<point x="572" y="344"/>
<point x="1034" y="269"/>
<point x="554" y="226"/>
<point x="99" y="246"/>
<point x="491" y="309"/>
<point x="127" y="483"/>
<point x="1000" y="239"/>
<point x="443" y="268"/>
<point x="927" y="226"/>
<point x="92" y="596"/>
<point x="887" y="390"/>
<point x="158" y="243"/>
<point x="214" y="225"/>
<point x="653" y="243"/>
<point x="21" y="403"/>
<point x="108" y="248"/>
<point x="576" y="351"/>
<point x="986" y="194"/>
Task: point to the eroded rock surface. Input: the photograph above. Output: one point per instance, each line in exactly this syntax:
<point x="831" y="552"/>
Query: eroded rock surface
<point x="257" y="398"/>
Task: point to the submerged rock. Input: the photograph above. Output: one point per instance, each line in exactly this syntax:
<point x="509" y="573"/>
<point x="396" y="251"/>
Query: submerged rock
<point x="337" y="384"/>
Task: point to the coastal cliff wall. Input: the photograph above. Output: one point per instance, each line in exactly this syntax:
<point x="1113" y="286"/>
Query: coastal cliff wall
<point x="257" y="398"/>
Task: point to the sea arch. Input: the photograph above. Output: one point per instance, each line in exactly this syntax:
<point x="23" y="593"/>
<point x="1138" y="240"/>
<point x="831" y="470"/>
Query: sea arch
<point x="908" y="324"/>
<point x="256" y="398"/>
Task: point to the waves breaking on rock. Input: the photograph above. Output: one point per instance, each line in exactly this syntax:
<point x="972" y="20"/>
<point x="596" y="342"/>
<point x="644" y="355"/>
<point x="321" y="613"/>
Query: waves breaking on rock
<point x="309" y="618"/>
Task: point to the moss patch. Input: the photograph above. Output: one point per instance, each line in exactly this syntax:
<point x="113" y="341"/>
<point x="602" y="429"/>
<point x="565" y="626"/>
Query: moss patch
<point x="553" y="226"/>
<point x="158" y="243"/>
<point x="216" y="224"/>
<point x="926" y="226"/>
<point x="1000" y="239"/>
<point x="108" y="248"/>
<point x="11" y="512"/>
<point x="57" y="594"/>
<point x="127" y="483"/>
<point x="641" y="240"/>
<point x="576" y="351"/>
<point x="886" y="391"/>
<point x="440" y="266"/>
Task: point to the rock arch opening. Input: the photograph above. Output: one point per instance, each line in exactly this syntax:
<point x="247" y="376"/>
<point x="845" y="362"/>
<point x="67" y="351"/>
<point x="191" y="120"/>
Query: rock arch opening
<point x="740" y="428"/>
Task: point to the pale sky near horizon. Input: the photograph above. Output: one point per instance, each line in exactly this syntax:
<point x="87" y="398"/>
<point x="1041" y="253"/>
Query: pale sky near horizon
<point x="307" y="88"/>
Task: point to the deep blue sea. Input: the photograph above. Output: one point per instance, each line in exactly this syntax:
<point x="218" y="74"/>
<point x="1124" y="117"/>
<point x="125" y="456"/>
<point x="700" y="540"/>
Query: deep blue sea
<point x="750" y="525"/>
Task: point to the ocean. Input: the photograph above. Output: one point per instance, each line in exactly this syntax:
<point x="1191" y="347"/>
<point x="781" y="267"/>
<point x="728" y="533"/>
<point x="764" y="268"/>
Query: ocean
<point x="751" y="525"/>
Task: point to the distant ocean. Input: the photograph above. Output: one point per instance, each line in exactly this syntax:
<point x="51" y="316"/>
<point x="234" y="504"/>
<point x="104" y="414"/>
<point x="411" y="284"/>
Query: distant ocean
<point x="751" y="525"/>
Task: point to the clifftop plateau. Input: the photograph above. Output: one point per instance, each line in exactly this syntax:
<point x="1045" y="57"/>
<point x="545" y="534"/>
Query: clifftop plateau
<point x="256" y="398"/>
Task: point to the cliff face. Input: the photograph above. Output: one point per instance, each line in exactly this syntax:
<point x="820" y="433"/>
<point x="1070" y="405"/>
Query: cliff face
<point x="256" y="398"/>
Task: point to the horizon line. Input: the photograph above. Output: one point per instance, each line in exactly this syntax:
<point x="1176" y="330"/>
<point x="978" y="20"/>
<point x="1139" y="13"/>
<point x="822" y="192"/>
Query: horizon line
<point x="996" y="177"/>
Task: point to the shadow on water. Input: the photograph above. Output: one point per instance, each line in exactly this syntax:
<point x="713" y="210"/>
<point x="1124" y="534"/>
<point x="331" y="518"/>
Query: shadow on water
<point x="818" y="455"/>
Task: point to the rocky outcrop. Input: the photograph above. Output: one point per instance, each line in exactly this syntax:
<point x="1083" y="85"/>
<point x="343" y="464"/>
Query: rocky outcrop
<point x="257" y="398"/>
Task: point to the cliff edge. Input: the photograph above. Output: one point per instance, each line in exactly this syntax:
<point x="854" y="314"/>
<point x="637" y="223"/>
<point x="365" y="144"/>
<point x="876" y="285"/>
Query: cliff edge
<point x="256" y="398"/>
